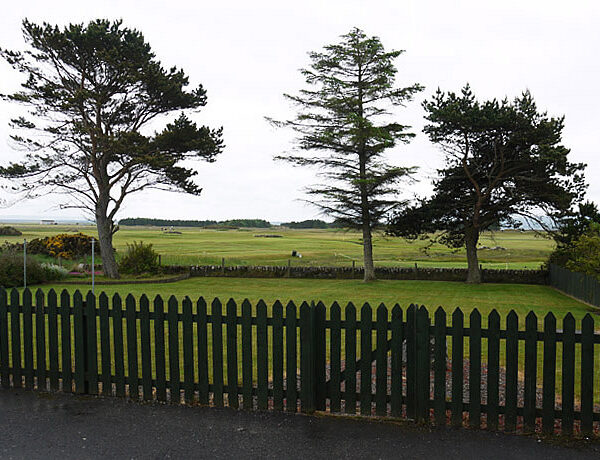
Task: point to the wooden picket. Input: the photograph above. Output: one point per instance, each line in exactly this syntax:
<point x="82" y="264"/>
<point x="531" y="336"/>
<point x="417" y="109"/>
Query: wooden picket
<point x="53" y="339"/>
<point x="439" y="378"/>
<point x="512" y="370"/>
<point x="105" y="344"/>
<point x="146" y="348"/>
<point x="119" y="355"/>
<point x="350" y="366"/>
<point x="397" y="346"/>
<point x="381" y="361"/>
<point x="65" y="341"/>
<point x="549" y="370"/>
<point x="251" y="358"/>
<point x="568" y="373"/>
<point x="247" y="370"/>
<point x="28" y="340"/>
<point x="262" y="349"/>
<point x="188" y="352"/>
<point x="291" y="356"/>
<point x="232" y="363"/>
<point x="366" y="337"/>
<point x="202" y="332"/>
<point x="40" y="332"/>
<point x="159" y="349"/>
<point x="493" y="376"/>
<point x="277" y="340"/>
<point x="457" y="367"/>
<point x="335" y="353"/>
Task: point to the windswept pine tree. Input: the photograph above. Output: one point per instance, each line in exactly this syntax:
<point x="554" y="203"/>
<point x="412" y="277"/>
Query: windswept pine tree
<point x="91" y="90"/>
<point x="344" y="128"/>
<point x="503" y="159"/>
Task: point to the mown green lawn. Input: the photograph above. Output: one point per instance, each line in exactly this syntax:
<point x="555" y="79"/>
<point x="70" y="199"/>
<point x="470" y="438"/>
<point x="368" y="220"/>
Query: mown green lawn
<point x="196" y="246"/>
<point x="432" y="294"/>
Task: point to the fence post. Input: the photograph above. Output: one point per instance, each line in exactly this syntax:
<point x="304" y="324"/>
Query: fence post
<point x="289" y="266"/>
<point x="24" y="264"/>
<point x="93" y="268"/>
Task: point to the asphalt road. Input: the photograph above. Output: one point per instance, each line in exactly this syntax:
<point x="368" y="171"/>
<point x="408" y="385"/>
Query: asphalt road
<point x="41" y="425"/>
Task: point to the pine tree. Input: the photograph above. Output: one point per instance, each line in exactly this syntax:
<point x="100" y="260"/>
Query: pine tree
<point x="91" y="90"/>
<point x="343" y="129"/>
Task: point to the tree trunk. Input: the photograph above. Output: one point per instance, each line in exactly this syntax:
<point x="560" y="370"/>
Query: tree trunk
<point x="473" y="271"/>
<point x="368" y="254"/>
<point x="104" y="225"/>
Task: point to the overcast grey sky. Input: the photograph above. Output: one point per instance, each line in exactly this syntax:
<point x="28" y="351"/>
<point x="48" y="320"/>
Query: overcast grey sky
<point x="247" y="53"/>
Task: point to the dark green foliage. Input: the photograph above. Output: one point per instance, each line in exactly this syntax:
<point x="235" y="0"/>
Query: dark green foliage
<point x="311" y="223"/>
<point x="11" y="270"/>
<point x="252" y="223"/>
<point x="139" y="258"/>
<point x="9" y="231"/>
<point x="575" y="224"/>
<point x="343" y="121"/>
<point x="570" y="229"/>
<point x="503" y="159"/>
<point x="583" y="254"/>
<point x="91" y="90"/>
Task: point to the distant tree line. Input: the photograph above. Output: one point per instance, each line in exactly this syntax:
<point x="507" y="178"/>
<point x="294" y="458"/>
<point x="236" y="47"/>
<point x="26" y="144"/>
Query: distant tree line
<point x="312" y="223"/>
<point x="144" y="221"/>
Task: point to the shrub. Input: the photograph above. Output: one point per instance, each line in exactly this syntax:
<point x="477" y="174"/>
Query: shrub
<point x="11" y="270"/>
<point x="9" y="231"/>
<point x="582" y="254"/>
<point x="54" y="271"/>
<point x="64" y="245"/>
<point x="139" y="258"/>
<point x="585" y="254"/>
<point x="69" y="246"/>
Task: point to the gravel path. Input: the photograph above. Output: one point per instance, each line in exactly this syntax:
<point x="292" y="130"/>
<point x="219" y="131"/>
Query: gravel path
<point x="466" y="385"/>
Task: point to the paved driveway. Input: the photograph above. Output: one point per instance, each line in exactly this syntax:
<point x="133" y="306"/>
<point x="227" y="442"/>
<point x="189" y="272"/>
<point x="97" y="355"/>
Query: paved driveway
<point x="42" y="425"/>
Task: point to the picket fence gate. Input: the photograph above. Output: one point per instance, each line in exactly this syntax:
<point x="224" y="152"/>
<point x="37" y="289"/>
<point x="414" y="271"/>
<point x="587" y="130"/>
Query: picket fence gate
<point x="308" y="359"/>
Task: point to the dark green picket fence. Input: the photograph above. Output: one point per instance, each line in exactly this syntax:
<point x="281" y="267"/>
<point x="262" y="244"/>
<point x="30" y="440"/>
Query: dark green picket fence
<point x="579" y="285"/>
<point x="307" y="358"/>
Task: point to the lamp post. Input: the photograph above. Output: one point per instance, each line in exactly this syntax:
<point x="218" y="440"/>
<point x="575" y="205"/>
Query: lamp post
<point x="93" y="271"/>
<point x="25" y="264"/>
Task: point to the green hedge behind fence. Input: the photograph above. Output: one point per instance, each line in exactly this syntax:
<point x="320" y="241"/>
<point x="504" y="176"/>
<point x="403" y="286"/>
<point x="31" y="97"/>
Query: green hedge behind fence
<point x="581" y="286"/>
<point x="386" y="363"/>
<point x="356" y="272"/>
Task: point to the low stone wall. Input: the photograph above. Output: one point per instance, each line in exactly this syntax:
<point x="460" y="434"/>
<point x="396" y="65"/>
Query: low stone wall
<point x="384" y="273"/>
<point x="171" y="279"/>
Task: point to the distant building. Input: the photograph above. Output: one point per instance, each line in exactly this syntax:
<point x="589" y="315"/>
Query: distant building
<point x="48" y="222"/>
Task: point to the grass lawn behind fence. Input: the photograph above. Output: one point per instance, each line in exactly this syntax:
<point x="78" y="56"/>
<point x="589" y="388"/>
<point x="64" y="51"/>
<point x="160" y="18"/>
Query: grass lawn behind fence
<point x="432" y="294"/>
